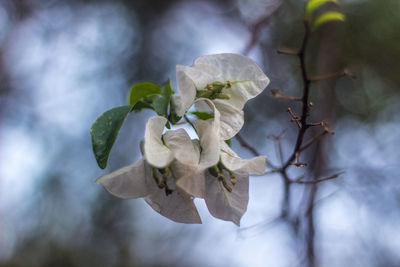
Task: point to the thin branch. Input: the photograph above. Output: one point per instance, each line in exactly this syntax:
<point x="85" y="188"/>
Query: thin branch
<point x="312" y="141"/>
<point x="297" y="162"/>
<point x="254" y="151"/>
<point x="332" y="75"/>
<point x="256" y="28"/>
<point x="288" y="51"/>
<point x="331" y="177"/>
<point x="294" y="117"/>
<point x="327" y="76"/>
<point x="278" y="94"/>
<point x="191" y="123"/>
<point x="246" y="145"/>
<point x="302" y="123"/>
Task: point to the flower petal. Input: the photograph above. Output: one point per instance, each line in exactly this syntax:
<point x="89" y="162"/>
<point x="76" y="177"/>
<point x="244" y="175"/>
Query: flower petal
<point x="176" y="100"/>
<point x="189" y="80"/>
<point x="157" y="154"/>
<point x="254" y="165"/>
<point x="177" y="206"/>
<point x="247" y="79"/>
<point x="234" y="163"/>
<point x="225" y="205"/>
<point x="129" y="181"/>
<point x="208" y="131"/>
<point x="232" y="119"/>
<point x="189" y="179"/>
<point x="193" y="184"/>
<point x="182" y="147"/>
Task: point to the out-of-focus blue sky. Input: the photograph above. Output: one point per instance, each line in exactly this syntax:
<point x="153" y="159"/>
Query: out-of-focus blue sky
<point x="64" y="63"/>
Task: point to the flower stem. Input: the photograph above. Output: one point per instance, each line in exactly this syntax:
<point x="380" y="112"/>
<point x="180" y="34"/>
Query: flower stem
<point x="191" y="123"/>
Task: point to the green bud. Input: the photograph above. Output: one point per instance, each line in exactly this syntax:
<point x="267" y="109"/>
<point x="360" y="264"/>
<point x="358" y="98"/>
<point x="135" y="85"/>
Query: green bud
<point x="164" y="172"/>
<point x="218" y="86"/>
<point x="213" y="171"/>
<point x="204" y="93"/>
<point x="223" y="96"/>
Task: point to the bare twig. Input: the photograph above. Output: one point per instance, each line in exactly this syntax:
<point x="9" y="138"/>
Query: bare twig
<point x="254" y="151"/>
<point x="332" y="75"/>
<point x="190" y="123"/>
<point x="319" y="180"/>
<point x="297" y="162"/>
<point x="288" y="51"/>
<point x="312" y="141"/>
<point x="246" y="145"/>
<point x="294" y="117"/>
<point x="278" y="94"/>
<point x="256" y="28"/>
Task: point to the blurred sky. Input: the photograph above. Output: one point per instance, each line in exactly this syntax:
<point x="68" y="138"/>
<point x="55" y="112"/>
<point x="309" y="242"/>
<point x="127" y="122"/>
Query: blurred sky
<point x="65" y="62"/>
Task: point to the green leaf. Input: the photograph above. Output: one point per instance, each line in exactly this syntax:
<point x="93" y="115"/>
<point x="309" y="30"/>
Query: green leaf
<point x="141" y="90"/>
<point x="312" y="5"/>
<point x="173" y="117"/>
<point x="161" y="104"/>
<point x="141" y="105"/>
<point x="166" y="89"/>
<point x="202" y="115"/>
<point x="104" y="132"/>
<point x="328" y="17"/>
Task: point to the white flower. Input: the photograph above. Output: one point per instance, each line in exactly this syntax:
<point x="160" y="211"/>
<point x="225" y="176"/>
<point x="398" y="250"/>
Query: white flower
<point x="166" y="157"/>
<point x="228" y="79"/>
<point x="225" y="186"/>
<point x="160" y="150"/>
<point x="137" y="180"/>
<point x="152" y="177"/>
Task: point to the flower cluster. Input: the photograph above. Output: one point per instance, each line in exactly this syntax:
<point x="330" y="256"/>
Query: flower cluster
<point x="174" y="168"/>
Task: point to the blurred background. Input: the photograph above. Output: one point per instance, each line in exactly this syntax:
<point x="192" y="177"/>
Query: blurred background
<point x="63" y="63"/>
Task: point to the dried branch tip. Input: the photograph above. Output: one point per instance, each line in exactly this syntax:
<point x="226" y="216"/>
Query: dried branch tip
<point x="297" y="163"/>
<point x="345" y="72"/>
<point x="278" y="94"/>
<point x="288" y="51"/>
<point x="319" y="180"/>
<point x="294" y="117"/>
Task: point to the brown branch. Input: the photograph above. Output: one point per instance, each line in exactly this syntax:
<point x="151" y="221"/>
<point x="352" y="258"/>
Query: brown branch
<point x="302" y="123"/>
<point x="332" y="75"/>
<point x="331" y="177"/>
<point x="278" y="94"/>
<point x="246" y="145"/>
<point x="256" y="28"/>
<point x="254" y="151"/>
<point x="288" y="51"/>
<point x="312" y="141"/>
<point x="294" y="117"/>
<point x="297" y="162"/>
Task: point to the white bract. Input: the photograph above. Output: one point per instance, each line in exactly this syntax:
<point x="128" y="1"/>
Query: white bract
<point x="145" y="179"/>
<point x="229" y="80"/>
<point x="173" y="153"/>
<point x="137" y="180"/>
<point x="175" y="169"/>
<point x="224" y="187"/>
<point x="161" y="149"/>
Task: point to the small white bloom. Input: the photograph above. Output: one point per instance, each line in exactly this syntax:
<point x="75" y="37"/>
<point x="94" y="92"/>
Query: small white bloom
<point x="228" y="79"/>
<point x="174" y="153"/>
<point x="130" y="181"/>
<point x="224" y="204"/>
<point x="161" y="150"/>
<point x="137" y="180"/>
<point x="224" y="186"/>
